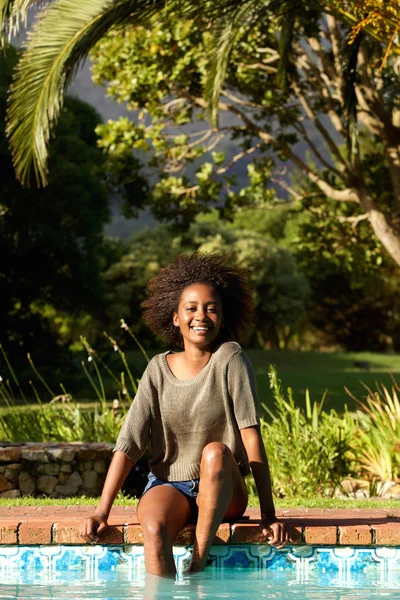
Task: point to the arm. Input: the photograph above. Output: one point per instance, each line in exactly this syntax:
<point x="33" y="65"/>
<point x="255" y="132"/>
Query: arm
<point x="271" y="527"/>
<point x="130" y="445"/>
<point x="117" y="473"/>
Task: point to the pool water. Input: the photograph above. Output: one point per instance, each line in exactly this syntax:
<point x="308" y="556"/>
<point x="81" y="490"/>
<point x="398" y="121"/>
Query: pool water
<point x="242" y="572"/>
<point x="240" y="584"/>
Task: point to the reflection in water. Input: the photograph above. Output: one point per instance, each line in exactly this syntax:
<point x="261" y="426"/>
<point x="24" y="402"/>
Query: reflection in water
<point x="232" y="584"/>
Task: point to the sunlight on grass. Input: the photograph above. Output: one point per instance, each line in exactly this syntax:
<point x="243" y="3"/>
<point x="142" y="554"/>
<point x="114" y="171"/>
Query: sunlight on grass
<point x="253" y="502"/>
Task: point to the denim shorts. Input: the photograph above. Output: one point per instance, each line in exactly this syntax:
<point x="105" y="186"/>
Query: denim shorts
<point x="189" y="489"/>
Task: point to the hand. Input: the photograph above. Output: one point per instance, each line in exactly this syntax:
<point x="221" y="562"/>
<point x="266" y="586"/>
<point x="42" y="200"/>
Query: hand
<point x="276" y="532"/>
<point x="92" y="526"/>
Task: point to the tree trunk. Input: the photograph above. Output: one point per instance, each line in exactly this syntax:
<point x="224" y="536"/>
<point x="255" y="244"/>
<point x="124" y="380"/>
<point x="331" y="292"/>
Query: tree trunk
<point x="386" y="233"/>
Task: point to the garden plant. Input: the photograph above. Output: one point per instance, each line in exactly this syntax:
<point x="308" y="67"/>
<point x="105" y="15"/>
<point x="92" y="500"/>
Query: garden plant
<point x="311" y="451"/>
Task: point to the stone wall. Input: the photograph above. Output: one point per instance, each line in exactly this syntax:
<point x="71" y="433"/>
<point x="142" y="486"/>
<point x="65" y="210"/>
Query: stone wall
<point x="52" y="469"/>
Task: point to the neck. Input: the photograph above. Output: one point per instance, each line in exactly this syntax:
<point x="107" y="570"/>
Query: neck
<point x="196" y="357"/>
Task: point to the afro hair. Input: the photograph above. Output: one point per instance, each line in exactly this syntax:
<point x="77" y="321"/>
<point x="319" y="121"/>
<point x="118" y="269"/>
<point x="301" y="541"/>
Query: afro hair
<point x="165" y="290"/>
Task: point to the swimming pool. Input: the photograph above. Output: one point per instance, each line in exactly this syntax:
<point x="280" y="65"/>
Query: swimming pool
<point x="238" y="572"/>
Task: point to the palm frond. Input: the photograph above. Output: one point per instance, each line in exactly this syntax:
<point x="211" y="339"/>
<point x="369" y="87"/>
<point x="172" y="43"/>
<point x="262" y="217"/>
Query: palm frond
<point x="225" y="31"/>
<point x="350" y="99"/>
<point x="237" y="16"/>
<point x="12" y="12"/>
<point x="285" y="44"/>
<point x="59" y="42"/>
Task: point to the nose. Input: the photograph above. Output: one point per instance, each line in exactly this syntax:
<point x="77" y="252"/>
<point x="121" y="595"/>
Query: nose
<point x="200" y="313"/>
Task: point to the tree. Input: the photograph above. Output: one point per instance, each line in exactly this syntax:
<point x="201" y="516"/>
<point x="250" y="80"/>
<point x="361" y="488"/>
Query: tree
<point x="281" y="291"/>
<point x="127" y="276"/>
<point x="354" y="299"/>
<point x="261" y="118"/>
<point x="51" y="239"/>
<point x="67" y="29"/>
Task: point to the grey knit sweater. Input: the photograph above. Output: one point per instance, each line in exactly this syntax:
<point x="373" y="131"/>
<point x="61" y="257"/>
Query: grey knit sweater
<point x="179" y="418"/>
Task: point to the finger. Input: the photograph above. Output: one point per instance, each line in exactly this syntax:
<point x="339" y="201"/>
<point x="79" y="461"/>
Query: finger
<point x="270" y="537"/>
<point x="286" y="536"/>
<point x="91" y="534"/>
<point x="277" y="543"/>
<point x="101" y="527"/>
<point x="274" y="534"/>
<point x="89" y="537"/>
<point x="90" y="531"/>
<point x="280" y="536"/>
<point x="283" y="537"/>
<point x="266" y="532"/>
<point x="83" y="530"/>
<point x="270" y="532"/>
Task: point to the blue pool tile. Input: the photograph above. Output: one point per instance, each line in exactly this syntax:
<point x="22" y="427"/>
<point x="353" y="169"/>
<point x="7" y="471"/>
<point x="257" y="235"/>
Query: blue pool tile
<point x="95" y="563"/>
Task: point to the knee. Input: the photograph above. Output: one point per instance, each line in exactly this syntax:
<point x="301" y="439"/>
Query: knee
<point x="215" y="457"/>
<point x="155" y="528"/>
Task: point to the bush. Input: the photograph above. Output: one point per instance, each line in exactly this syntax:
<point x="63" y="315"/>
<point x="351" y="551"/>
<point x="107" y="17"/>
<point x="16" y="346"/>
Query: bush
<point x="377" y="445"/>
<point x="309" y="452"/>
<point x="60" y="422"/>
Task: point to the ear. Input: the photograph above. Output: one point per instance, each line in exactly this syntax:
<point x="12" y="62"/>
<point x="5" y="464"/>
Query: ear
<point x="175" y="319"/>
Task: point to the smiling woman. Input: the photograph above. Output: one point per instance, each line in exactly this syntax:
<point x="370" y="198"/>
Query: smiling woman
<point x="199" y="318"/>
<point x="230" y="284"/>
<point x="198" y="409"/>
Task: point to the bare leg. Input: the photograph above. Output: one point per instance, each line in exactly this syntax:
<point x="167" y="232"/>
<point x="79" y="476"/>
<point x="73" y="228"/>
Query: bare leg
<point x="222" y="494"/>
<point x="162" y="512"/>
<point x="157" y="587"/>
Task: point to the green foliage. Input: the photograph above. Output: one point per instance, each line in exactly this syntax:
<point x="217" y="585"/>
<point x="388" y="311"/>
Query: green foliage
<point x="377" y="446"/>
<point x="262" y="123"/>
<point x="354" y="299"/>
<point x="61" y="418"/>
<point x="128" y="276"/>
<point x="269" y="221"/>
<point x="166" y="87"/>
<point x="309" y="452"/>
<point x="51" y="239"/>
<point x="281" y="292"/>
<point x="59" y="422"/>
<point x="63" y="34"/>
<point x="126" y="500"/>
<point x="310" y="289"/>
<point x="355" y="285"/>
<point x="70" y="29"/>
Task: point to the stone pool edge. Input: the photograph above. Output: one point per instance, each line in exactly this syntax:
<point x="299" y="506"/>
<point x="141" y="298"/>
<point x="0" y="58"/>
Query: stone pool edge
<point x="58" y="525"/>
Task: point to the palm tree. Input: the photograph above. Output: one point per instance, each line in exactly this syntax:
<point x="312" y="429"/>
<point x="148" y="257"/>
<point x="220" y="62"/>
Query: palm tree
<point x="65" y="31"/>
<point x="60" y="39"/>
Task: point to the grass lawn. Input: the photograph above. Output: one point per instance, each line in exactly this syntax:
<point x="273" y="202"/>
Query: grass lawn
<point x="316" y="371"/>
<point x="253" y="501"/>
<point x="299" y="370"/>
<point x="324" y="371"/>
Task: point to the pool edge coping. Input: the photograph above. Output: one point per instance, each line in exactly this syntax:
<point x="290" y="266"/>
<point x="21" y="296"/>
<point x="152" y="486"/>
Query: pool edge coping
<point x="59" y="525"/>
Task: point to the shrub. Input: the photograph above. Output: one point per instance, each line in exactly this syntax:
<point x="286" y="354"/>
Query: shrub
<point x="60" y="422"/>
<point x="377" y="445"/>
<point x="309" y="451"/>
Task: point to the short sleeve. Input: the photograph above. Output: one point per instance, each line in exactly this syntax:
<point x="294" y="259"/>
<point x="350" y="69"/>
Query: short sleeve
<point x="135" y="431"/>
<point x="242" y="388"/>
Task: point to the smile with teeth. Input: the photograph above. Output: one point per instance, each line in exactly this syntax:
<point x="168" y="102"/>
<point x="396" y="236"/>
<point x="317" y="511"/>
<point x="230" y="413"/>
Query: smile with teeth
<point x="200" y="329"/>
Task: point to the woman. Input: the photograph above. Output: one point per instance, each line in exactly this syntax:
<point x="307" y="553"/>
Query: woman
<point x="199" y="411"/>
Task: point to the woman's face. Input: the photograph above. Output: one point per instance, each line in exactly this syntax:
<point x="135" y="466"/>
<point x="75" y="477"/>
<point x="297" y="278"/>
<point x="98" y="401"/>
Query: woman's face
<point x="199" y="315"/>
